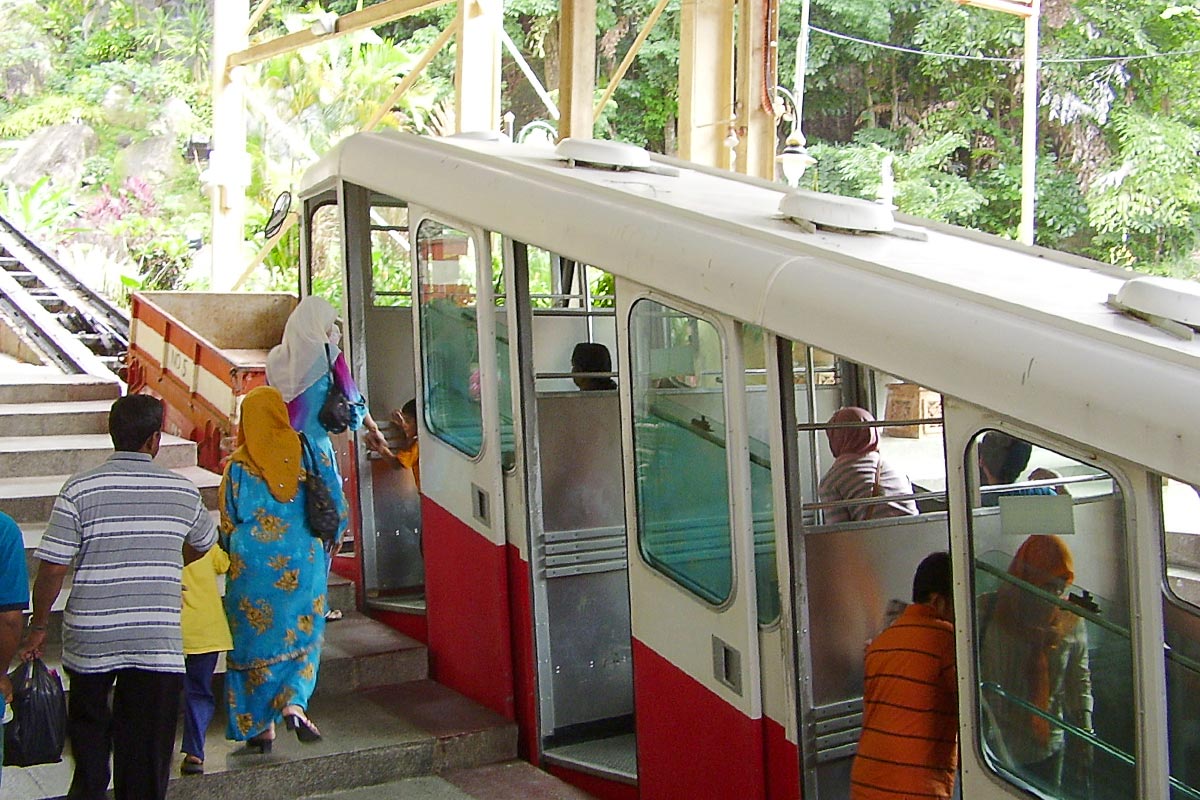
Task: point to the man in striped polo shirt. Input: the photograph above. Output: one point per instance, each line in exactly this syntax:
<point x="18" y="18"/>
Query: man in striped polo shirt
<point x="909" y="744"/>
<point x="127" y="526"/>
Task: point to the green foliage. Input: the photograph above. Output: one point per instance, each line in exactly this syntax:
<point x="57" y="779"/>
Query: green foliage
<point x="41" y="209"/>
<point x="45" y="111"/>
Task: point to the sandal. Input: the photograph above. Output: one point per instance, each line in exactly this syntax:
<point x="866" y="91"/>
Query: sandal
<point x="192" y="765"/>
<point x="333" y="615"/>
<point x="305" y="730"/>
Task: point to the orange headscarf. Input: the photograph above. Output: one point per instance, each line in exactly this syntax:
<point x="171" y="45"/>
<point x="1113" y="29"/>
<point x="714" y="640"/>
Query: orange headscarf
<point x="269" y="448"/>
<point x="1041" y="559"/>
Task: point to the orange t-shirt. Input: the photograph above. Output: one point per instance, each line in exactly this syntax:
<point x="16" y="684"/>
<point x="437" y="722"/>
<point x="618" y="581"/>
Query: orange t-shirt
<point x="909" y="743"/>
<point x="411" y="459"/>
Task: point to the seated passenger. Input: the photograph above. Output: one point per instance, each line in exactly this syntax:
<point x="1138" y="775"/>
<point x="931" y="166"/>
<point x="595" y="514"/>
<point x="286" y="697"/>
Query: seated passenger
<point x="1036" y="652"/>
<point x="1002" y="459"/>
<point x="859" y="472"/>
<point x="592" y="357"/>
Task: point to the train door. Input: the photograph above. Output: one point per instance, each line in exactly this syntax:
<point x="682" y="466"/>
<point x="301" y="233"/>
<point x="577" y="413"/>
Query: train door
<point x="576" y="553"/>
<point x="853" y="561"/>
<point x="1063" y="691"/>
<point x="462" y="459"/>
<point x="694" y="619"/>
<point x="379" y="296"/>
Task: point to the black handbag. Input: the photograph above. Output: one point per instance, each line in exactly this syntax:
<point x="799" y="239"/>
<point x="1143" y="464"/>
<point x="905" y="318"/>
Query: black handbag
<point x="335" y="414"/>
<point x="38" y="730"/>
<point x="324" y="521"/>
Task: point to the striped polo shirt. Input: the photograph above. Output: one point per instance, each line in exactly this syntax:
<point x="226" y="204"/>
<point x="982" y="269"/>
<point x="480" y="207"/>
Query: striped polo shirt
<point x="909" y="743"/>
<point x="123" y="526"/>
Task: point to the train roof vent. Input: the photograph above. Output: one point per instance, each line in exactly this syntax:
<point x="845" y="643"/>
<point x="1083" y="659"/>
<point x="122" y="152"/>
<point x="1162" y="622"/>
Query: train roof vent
<point x="837" y="213"/>
<point x="1168" y="303"/>
<point x="603" y="153"/>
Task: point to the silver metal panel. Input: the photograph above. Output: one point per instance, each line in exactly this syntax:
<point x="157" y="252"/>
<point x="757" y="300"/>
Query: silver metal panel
<point x="590" y="648"/>
<point x="580" y="439"/>
<point x="397" y="530"/>
<point x="852" y="573"/>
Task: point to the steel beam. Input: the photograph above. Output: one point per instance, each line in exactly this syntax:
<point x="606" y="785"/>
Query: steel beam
<point x="706" y="113"/>
<point x="477" y="62"/>
<point x="576" y="68"/>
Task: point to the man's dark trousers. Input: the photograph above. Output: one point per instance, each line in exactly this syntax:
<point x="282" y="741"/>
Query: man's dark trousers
<point x="138" y="731"/>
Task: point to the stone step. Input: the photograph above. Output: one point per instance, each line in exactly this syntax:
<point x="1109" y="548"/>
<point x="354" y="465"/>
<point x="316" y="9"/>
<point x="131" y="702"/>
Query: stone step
<point x="29" y="499"/>
<point x="22" y="456"/>
<point x="510" y="780"/>
<point x="51" y="419"/>
<point x="49" y="386"/>
<point x="371" y="737"/>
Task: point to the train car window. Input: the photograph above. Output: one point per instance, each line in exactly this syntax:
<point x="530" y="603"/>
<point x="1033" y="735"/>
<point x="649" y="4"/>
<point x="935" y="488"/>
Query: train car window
<point x="328" y="255"/>
<point x="449" y="338"/>
<point x="391" y="256"/>
<point x="1051" y="602"/>
<point x="1181" y="621"/>
<point x="679" y="431"/>
<point x="762" y="500"/>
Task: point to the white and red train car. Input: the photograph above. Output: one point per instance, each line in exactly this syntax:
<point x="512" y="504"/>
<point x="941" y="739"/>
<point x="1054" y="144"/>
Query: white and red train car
<point x="643" y="577"/>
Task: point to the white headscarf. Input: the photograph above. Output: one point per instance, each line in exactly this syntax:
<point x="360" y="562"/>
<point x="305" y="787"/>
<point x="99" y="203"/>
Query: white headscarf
<point x="299" y="361"/>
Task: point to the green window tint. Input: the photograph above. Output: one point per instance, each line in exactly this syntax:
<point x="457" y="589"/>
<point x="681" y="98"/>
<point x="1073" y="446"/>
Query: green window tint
<point x="679" y="441"/>
<point x="391" y="257"/>
<point x="1053" y="648"/>
<point x="449" y="337"/>
<point x="327" y="255"/>
<point x="758" y="417"/>
<point x="1181" y="620"/>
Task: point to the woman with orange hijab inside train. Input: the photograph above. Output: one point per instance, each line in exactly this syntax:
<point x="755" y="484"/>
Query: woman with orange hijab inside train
<point x="1036" y="652"/>
<point x="860" y="472"/>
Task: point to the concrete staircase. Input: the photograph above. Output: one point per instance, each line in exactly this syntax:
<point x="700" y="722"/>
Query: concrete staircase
<point x="385" y="724"/>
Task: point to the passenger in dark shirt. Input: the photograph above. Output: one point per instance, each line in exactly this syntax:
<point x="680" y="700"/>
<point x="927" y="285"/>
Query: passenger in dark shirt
<point x="1002" y="459"/>
<point x="589" y="359"/>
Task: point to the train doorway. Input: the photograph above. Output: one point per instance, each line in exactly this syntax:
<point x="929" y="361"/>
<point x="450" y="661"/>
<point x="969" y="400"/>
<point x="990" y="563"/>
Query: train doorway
<point x="379" y="283"/>
<point x="580" y="589"/>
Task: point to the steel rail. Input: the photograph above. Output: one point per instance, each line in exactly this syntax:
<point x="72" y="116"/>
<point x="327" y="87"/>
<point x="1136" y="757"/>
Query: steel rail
<point x="71" y="325"/>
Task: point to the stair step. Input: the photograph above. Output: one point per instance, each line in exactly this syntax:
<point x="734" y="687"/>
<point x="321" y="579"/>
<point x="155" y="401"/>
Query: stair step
<point x="43" y="386"/>
<point x="49" y="419"/>
<point x="372" y="737"/>
<point x="29" y="499"/>
<point x="510" y="780"/>
<point x="52" y="455"/>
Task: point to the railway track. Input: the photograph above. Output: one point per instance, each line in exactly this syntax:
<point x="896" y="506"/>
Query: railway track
<point x="64" y="321"/>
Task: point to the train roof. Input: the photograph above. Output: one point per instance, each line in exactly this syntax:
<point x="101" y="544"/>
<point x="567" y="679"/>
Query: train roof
<point x="1022" y="330"/>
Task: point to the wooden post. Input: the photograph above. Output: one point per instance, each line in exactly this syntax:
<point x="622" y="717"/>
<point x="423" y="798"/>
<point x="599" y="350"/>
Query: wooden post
<point x="758" y="29"/>
<point x="477" y="62"/>
<point x="706" y="113"/>
<point x="576" y="68"/>
<point x="229" y="163"/>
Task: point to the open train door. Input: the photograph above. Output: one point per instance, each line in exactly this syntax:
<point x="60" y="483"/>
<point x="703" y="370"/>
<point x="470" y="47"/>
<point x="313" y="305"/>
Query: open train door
<point x="462" y="511"/>
<point x="697" y="685"/>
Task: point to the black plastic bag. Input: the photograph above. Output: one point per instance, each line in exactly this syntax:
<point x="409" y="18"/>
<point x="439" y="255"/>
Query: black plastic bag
<point x="38" y="730"/>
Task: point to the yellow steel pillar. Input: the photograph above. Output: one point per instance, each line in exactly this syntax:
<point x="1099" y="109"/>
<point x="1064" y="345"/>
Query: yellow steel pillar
<point x="758" y="29"/>
<point x="229" y="163"/>
<point x="706" y="113"/>
<point x="577" y="68"/>
<point x="477" y="66"/>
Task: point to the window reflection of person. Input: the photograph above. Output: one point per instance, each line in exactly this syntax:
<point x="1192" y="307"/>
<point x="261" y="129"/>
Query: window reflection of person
<point x="1037" y="653"/>
<point x="859" y="472"/>
<point x="1002" y="459"/>
<point x="592" y="357"/>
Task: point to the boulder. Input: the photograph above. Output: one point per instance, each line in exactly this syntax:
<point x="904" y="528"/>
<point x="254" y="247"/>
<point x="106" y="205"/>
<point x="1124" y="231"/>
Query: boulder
<point x="26" y="61"/>
<point x="176" y="119"/>
<point x="156" y="160"/>
<point x="118" y="108"/>
<point x="58" y="152"/>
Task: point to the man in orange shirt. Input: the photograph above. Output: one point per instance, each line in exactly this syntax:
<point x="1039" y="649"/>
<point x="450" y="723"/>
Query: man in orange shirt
<point x="909" y="743"/>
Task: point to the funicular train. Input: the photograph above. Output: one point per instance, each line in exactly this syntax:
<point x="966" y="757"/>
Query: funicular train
<point x="645" y="578"/>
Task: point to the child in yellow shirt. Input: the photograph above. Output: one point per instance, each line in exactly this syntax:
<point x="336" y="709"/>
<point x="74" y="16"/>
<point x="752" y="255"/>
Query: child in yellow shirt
<point x="205" y="637"/>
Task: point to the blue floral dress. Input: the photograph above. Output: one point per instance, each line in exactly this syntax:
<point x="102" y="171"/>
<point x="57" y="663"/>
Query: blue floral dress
<point x="274" y="600"/>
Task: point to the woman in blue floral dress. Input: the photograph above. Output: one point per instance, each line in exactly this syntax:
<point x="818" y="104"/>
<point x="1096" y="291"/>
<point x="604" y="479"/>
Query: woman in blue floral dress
<point x="276" y="584"/>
